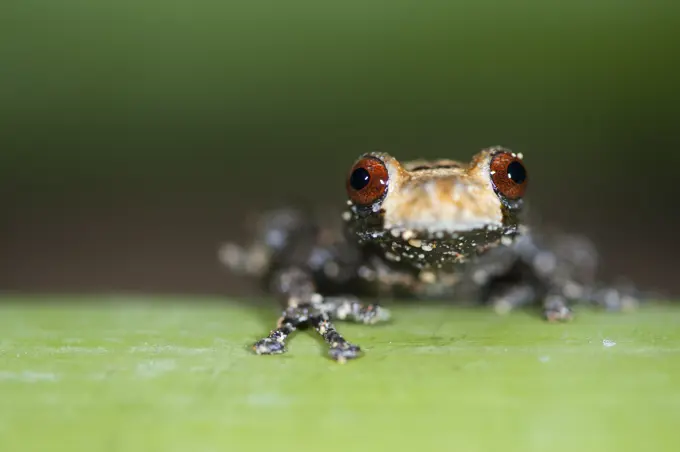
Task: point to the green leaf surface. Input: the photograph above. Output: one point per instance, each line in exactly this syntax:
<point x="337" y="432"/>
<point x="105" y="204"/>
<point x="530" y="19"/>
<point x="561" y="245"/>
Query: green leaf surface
<point x="144" y="374"/>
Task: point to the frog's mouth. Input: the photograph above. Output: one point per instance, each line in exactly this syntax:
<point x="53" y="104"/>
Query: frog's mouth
<point x="423" y="249"/>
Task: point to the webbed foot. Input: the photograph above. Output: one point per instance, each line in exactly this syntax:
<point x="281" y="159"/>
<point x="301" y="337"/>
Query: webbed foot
<point x="555" y="309"/>
<point x="268" y="346"/>
<point x="318" y="315"/>
<point x="345" y="352"/>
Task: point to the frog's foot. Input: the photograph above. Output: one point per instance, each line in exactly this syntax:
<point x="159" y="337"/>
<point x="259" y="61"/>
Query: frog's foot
<point x="269" y="346"/>
<point x="555" y="309"/>
<point x="307" y="307"/>
<point x="350" y="308"/>
<point x="301" y="316"/>
<point x="339" y="349"/>
<point x="275" y="343"/>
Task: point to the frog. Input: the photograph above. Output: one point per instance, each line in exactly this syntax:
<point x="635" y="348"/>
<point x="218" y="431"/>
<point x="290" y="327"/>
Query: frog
<point x="418" y="229"/>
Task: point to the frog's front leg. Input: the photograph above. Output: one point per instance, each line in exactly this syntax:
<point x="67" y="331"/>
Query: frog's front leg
<point x="275" y="343"/>
<point x="305" y="307"/>
<point x="338" y="348"/>
<point x="557" y="270"/>
<point x="308" y="314"/>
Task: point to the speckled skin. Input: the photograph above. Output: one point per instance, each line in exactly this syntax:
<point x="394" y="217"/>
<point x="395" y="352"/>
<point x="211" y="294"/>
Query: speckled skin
<point x="442" y="230"/>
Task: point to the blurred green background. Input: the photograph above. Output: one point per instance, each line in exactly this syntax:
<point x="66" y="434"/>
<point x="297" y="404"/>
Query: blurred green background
<point x="136" y="135"/>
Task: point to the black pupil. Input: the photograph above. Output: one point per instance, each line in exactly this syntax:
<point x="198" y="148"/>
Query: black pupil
<point x="516" y="172"/>
<point x="359" y="178"/>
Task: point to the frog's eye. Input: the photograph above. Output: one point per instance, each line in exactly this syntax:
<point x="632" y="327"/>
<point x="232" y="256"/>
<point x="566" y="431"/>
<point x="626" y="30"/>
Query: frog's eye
<point x="508" y="174"/>
<point x="367" y="181"/>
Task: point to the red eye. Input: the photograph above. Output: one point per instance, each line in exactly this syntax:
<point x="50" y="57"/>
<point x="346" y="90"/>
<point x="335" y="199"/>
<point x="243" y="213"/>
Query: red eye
<point x="367" y="181"/>
<point x="508" y="175"/>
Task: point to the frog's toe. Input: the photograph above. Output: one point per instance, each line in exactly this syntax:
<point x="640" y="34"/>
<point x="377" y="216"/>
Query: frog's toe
<point x="556" y="309"/>
<point x="269" y="346"/>
<point x="562" y="314"/>
<point x="373" y="314"/>
<point x="344" y="352"/>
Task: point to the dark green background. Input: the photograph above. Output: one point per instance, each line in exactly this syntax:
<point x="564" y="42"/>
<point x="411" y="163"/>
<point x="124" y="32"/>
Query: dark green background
<point x="135" y="135"/>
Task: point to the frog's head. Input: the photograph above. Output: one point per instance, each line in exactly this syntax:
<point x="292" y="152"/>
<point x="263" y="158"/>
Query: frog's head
<point x="461" y="209"/>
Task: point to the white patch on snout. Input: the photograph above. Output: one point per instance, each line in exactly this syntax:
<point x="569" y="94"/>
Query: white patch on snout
<point x="441" y="201"/>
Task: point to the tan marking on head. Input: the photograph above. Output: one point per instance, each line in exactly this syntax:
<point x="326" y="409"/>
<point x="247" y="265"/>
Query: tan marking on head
<point x="455" y="198"/>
